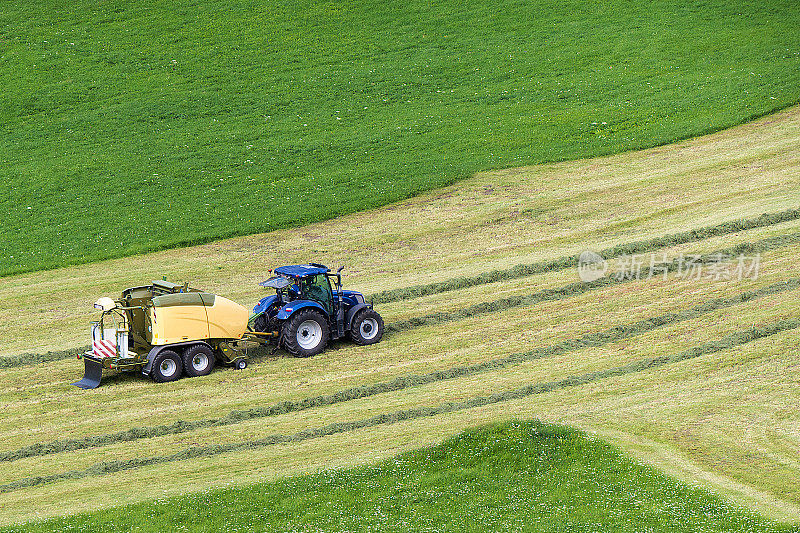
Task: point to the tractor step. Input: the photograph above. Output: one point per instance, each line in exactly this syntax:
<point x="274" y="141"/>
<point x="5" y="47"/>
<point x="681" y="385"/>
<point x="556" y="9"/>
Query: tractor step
<point x="93" y="372"/>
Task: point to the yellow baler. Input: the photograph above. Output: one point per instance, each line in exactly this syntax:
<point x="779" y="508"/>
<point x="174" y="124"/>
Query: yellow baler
<point x="167" y="330"/>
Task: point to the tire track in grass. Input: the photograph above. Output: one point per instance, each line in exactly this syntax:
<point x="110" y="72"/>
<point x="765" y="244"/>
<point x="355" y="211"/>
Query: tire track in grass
<point x="516" y="272"/>
<point x="597" y="339"/>
<point x="107" y="467"/>
<point x="562" y="263"/>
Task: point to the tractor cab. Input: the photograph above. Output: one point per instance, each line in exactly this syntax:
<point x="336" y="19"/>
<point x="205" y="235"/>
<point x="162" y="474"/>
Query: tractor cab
<point x="295" y="283"/>
<point x="318" y="288"/>
<point x="314" y="293"/>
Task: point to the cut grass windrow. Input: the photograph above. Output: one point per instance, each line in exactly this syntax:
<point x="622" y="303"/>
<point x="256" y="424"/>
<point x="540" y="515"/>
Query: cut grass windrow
<point x="597" y="339"/>
<point x="516" y="272"/>
<point x="36" y="358"/>
<point x="106" y="467"/>
<point x="580" y="287"/>
<point x="562" y="263"/>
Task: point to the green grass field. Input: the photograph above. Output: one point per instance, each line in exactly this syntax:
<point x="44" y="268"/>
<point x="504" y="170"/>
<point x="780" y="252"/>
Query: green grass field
<point x="510" y="477"/>
<point x="697" y="378"/>
<point x="315" y="131"/>
<point x="128" y="128"/>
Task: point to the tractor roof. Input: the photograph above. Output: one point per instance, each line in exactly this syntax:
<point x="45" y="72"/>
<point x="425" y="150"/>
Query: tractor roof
<point x="300" y="271"/>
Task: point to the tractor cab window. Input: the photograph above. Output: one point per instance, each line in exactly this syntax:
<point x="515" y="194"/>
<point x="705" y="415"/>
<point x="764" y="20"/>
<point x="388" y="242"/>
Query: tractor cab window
<point x="293" y="292"/>
<point x="318" y="288"/>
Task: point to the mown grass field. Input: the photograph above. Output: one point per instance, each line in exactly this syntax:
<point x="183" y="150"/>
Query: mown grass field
<point x="696" y="377"/>
<point x="511" y="477"/>
<point x="129" y="128"/>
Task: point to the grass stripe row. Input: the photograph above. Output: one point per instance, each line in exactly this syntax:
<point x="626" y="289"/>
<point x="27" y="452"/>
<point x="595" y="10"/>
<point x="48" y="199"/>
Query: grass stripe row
<point x="36" y="358"/>
<point x="597" y="339"/>
<point x="516" y="272"/>
<point x="562" y="263"/>
<point x="579" y="287"/>
<point x="107" y="467"/>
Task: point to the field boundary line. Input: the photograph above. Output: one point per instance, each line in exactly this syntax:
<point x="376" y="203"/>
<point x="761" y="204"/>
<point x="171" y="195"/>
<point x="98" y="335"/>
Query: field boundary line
<point x="106" y="467"/>
<point x="589" y="340"/>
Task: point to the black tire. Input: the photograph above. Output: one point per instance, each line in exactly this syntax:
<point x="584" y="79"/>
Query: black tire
<point x="240" y="364"/>
<point x="306" y="333"/>
<point x="260" y="323"/>
<point x="367" y="327"/>
<point x="198" y="360"/>
<point x="167" y="366"/>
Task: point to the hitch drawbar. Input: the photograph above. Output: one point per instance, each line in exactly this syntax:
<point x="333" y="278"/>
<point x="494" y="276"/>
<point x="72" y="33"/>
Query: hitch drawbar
<point x="93" y="372"/>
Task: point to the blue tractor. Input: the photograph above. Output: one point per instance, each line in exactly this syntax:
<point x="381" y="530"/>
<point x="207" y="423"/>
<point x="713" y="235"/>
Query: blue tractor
<point x="309" y="308"/>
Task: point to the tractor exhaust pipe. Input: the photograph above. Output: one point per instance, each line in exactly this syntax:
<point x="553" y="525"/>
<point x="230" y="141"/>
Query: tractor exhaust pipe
<point x="339" y="306"/>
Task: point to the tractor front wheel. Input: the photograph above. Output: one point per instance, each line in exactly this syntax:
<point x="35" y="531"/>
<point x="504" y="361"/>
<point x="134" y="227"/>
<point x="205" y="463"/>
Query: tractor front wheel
<point x="367" y="327"/>
<point x="167" y="366"/>
<point x="306" y="333"/>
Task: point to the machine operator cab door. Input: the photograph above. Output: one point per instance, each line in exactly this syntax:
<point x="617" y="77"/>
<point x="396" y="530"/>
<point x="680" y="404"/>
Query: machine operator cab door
<point x="318" y="288"/>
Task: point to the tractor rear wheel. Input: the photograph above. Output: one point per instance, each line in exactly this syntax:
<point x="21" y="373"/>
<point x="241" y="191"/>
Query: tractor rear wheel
<point x="367" y="327"/>
<point x="260" y="322"/>
<point x="167" y="366"/>
<point x="198" y="360"/>
<point x="306" y="333"/>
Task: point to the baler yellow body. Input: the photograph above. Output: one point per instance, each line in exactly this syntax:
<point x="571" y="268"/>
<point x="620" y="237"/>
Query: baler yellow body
<point x="194" y="316"/>
<point x="166" y="330"/>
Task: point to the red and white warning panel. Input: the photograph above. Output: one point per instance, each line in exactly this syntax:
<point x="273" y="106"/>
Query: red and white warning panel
<point x="104" y="342"/>
<point x="104" y="348"/>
